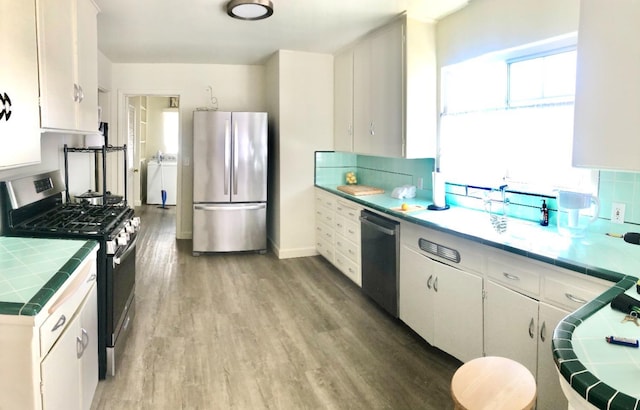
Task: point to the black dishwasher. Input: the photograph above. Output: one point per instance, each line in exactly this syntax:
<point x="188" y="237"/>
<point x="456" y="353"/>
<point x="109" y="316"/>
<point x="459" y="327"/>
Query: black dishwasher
<point x="379" y="250"/>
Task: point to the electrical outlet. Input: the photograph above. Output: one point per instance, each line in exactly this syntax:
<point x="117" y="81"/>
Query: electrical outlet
<point x="420" y="183"/>
<point x="617" y="213"/>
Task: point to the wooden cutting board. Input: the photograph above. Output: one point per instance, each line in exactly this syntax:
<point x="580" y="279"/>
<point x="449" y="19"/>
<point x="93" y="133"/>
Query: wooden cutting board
<point x="411" y="208"/>
<point x="360" y="190"/>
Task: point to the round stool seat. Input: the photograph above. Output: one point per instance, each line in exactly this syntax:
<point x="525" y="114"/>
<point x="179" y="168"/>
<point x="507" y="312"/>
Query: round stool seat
<point x="493" y="383"/>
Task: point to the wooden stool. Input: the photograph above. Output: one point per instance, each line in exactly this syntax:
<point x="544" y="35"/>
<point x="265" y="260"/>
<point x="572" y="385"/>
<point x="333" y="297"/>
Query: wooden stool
<point x="493" y="383"/>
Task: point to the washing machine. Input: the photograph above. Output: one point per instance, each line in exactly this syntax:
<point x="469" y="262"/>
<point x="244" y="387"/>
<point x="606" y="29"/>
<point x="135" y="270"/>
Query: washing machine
<point x="162" y="175"/>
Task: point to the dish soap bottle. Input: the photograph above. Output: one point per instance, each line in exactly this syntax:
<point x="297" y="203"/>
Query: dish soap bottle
<point x="544" y="214"/>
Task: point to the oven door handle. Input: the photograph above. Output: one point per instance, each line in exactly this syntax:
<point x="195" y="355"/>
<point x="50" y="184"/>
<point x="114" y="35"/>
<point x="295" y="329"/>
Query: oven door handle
<point x="117" y="259"/>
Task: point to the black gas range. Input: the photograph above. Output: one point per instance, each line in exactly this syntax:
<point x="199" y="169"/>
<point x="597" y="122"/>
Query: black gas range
<point x="33" y="206"/>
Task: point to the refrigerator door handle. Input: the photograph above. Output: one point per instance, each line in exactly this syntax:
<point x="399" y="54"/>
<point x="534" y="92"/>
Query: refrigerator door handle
<point x="248" y="207"/>
<point x="235" y="158"/>
<point x="227" y="155"/>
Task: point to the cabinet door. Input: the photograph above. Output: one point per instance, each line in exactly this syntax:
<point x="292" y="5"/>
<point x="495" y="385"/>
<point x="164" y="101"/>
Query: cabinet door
<point x="343" y="102"/>
<point x="89" y="339"/>
<point x="510" y="325"/>
<point x="386" y="99"/>
<point x="86" y="62"/>
<point x="362" y="120"/>
<point x="19" y="115"/>
<point x="550" y="394"/>
<point x="416" y="292"/>
<point x="458" y="312"/>
<point x="607" y="100"/>
<point x="60" y="374"/>
<point x="58" y="94"/>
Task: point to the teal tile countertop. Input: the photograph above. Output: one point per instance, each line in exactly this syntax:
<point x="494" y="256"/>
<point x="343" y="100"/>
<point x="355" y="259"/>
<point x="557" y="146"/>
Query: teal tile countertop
<point x="590" y="367"/>
<point x="32" y="270"/>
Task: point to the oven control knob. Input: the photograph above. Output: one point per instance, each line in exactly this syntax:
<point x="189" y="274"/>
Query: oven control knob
<point x="123" y="238"/>
<point x="135" y="221"/>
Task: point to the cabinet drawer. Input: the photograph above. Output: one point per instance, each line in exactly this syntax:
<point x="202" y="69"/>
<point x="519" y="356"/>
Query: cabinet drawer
<point x="325" y="232"/>
<point x="348" y="267"/>
<point x="348" y="210"/>
<point x="325" y="199"/>
<point x="352" y="231"/>
<point x="516" y="273"/>
<point x="571" y="292"/>
<point x="348" y="248"/>
<point x="324" y="248"/>
<point x="325" y="215"/>
<point x="66" y="303"/>
<point x="339" y="224"/>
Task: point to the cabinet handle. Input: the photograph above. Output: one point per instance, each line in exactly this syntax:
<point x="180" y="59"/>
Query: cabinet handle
<point x="429" y="281"/>
<point x="80" y="93"/>
<point x="510" y="276"/>
<point x="61" y="321"/>
<point x="371" y="129"/>
<point x="351" y="231"/>
<point x="575" y="298"/>
<point x="543" y="329"/>
<point x="531" y="333"/>
<point x="435" y="285"/>
<point x="81" y="343"/>
<point x="350" y="130"/>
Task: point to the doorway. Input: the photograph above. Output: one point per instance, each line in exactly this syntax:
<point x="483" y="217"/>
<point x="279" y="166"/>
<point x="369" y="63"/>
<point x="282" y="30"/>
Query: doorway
<point x="153" y="135"/>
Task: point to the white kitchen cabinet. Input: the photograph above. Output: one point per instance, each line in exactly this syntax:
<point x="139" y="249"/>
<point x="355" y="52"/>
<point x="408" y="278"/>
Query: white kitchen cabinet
<point x="510" y="325"/>
<point x="19" y="110"/>
<point x="68" y="65"/>
<point x="524" y="302"/>
<point x="54" y="354"/>
<point x="441" y="303"/>
<point x="607" y="97"/>
<point x="69" y="386"/>
<point x="394" y="98"/>
<point x="325" y="219"/>
<point x="343" y="101"/>
<point x="347" y="255"/>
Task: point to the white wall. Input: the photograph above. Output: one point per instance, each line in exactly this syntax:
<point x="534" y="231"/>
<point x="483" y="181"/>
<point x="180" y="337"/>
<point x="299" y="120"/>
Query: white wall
<point x="491" y="25"/>
<point x="236" y="87"/>
<point x="302" y="110"/>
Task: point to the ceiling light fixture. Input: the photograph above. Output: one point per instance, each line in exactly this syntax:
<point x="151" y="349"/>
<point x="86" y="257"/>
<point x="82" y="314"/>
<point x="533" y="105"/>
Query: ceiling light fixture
<point x="250" y="9"/>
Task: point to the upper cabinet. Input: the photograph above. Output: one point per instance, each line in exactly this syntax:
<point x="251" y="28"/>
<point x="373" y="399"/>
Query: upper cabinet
<point x="607" y="105"/>
<point x="68" y="65"/>
<point x="393" y="92"/>
<point x="343" y="101"/>
<point x="19" y="115"/>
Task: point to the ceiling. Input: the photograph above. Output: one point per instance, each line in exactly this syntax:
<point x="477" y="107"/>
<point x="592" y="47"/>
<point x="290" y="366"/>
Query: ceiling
<point x="200" y="31"/>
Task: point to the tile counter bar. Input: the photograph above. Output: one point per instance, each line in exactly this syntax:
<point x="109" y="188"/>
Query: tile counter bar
<point x="32" y="270"/>
<point x="595" y="254"/>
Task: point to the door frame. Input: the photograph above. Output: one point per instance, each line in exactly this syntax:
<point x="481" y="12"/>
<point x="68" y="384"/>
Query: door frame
<point x="122" y="108"/>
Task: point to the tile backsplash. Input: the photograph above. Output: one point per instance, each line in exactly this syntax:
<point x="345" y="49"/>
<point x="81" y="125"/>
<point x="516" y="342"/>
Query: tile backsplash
<point x="385" y="173"/>
<point x="388" y="173"/>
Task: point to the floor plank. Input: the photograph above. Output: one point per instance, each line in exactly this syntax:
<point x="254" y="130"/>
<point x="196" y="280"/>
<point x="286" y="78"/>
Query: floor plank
<point x="249" y="331"/>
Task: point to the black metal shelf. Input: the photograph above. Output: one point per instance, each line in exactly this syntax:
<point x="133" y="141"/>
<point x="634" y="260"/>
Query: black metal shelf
<point x="98" y="152"/>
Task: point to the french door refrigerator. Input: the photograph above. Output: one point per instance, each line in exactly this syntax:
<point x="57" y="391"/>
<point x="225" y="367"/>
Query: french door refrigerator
<point x="229" y="181"/>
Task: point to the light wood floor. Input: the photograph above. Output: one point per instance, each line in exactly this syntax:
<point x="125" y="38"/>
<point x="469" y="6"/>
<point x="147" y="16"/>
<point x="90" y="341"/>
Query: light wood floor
<point x="249" y="331"/>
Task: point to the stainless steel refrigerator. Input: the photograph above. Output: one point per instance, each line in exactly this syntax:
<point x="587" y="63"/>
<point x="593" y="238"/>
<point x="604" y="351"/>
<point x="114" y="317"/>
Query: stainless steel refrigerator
<point x="229" y="181"/>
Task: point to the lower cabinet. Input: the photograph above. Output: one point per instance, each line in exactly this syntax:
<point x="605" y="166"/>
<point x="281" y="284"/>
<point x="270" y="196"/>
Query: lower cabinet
<point x="70" y="370"/>
<point x="338" y="233"/>
<point x="520" y="328"/>
<point x="442" y="304"/>
<point x="53" y="359"/>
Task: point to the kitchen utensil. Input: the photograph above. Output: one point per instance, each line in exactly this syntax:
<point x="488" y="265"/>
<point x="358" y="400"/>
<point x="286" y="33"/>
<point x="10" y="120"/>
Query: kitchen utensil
<point x="630" y="237"/>
<point x="576" y="211"/>
<point x="360" y="190"/>
<point x="90" y="197"/>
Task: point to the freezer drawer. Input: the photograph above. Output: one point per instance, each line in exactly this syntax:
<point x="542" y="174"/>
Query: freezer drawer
<point x="229" y="227"/>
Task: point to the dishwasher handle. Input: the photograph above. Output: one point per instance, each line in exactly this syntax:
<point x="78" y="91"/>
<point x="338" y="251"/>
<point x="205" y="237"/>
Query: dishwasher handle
<point x="386" y="231"/>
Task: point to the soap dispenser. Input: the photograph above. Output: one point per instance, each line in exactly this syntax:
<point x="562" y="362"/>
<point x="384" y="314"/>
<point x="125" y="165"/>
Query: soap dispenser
<point x="544" y="214"/>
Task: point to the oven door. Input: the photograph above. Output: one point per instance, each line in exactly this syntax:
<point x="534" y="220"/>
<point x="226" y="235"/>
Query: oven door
<point x="121" y="281"/>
